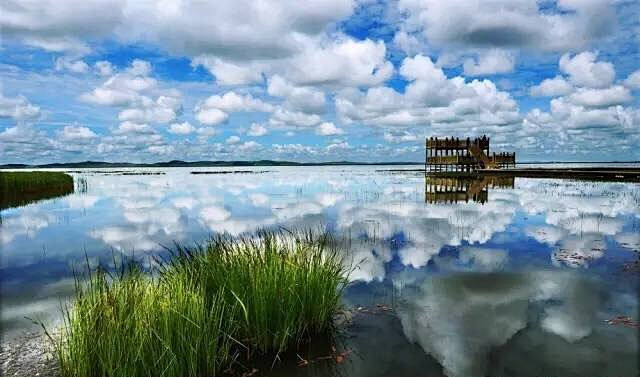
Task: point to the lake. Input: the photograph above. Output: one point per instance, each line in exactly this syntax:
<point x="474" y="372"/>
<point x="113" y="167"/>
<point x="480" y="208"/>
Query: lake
<point x="502" y="277"/>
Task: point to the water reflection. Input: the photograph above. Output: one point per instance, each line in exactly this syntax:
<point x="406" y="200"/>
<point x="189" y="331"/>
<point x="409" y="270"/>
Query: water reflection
<point x="462" y="319"/>
<point x="449" y="188"/>
<point x="21" y="188"/>
<point x="486" y="272"/>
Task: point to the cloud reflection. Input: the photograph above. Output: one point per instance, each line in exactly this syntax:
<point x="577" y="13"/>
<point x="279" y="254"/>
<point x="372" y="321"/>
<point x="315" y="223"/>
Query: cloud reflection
<point x="142" y="212"/>
<point x="460" y="318"/>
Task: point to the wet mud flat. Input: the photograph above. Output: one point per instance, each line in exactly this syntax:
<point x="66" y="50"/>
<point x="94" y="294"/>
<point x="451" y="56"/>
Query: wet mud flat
<point x="27" y="355"/>
<point x="230" y="172"/>
<point x="30" y="353"/>
<point x="116" y="172"/>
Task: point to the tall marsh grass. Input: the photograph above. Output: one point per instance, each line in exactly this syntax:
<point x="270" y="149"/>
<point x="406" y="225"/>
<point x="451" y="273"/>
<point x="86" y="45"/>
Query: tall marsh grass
<point x="203" y="309"/>
<point x="20" y="188"/>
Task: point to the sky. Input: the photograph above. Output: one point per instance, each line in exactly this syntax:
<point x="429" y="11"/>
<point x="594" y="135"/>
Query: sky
<point x="318" y="80"/>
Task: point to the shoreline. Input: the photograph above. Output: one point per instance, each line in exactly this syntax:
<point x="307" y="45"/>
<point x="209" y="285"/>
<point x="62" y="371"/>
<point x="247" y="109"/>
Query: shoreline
<point x="614" y="174"/>
<point x="605" y="173"/>
<point x="27" y="354"/>
<point x="251" y="163"/>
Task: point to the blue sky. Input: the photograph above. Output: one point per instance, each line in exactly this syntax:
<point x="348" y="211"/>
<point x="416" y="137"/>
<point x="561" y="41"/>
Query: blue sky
<point x="325" y="80"/>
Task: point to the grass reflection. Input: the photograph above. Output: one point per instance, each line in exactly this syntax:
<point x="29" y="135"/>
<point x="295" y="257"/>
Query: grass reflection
<point x="21" y="188"/>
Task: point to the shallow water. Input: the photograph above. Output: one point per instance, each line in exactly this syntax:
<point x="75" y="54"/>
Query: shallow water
<point x="502" y="278"/>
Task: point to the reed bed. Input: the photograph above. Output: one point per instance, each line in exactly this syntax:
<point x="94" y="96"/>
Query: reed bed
<point x="204" y="309"/>
<point x="21" y="188"/>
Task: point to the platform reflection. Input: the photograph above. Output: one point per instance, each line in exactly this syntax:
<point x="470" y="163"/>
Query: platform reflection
<point x="462" y="188"/>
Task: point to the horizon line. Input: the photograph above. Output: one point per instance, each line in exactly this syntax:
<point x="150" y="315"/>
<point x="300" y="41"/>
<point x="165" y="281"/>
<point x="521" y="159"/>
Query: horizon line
<point x="272" y="162"/>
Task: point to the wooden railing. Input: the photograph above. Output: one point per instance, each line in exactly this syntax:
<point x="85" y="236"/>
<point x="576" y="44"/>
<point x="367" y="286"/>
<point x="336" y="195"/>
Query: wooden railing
<point x="451" y="160"/>
<point x="457" y="143"/>
<point x="503" y="159"/>
<point x="454" y="154"/>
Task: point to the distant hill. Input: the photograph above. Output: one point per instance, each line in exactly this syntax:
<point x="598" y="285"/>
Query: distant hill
<point x="178" y="163"/>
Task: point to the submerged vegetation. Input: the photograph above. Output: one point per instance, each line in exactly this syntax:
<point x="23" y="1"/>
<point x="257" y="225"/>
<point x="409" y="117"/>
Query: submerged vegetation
<point x="203" y="309"/>
<point x="21" y="188"/>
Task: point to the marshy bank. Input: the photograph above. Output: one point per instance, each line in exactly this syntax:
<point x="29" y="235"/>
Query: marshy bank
<point x="21" y="188"/>
<point x="205" y="310"/>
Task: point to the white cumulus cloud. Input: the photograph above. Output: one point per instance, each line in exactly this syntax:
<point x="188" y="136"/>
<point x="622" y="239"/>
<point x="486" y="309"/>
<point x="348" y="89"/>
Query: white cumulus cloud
<point x="183" y="128"/>
<point x="328" y="129"/>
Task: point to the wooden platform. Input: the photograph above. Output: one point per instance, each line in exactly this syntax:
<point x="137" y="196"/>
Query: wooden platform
<point x="463" y="155"/>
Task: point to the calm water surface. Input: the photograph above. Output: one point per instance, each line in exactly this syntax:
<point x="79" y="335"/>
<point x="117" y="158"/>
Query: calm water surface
<point x="495" y="278"/>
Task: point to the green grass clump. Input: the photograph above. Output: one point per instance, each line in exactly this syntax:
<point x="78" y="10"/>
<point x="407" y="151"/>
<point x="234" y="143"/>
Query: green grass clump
<point x="204" y="308"/>
<point x="286" y="288"/>
<point x="20" y="188"/>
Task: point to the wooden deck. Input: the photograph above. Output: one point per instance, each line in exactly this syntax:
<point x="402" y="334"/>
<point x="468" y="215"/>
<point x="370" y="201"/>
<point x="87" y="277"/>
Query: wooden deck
<point x="463" y="155"/>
